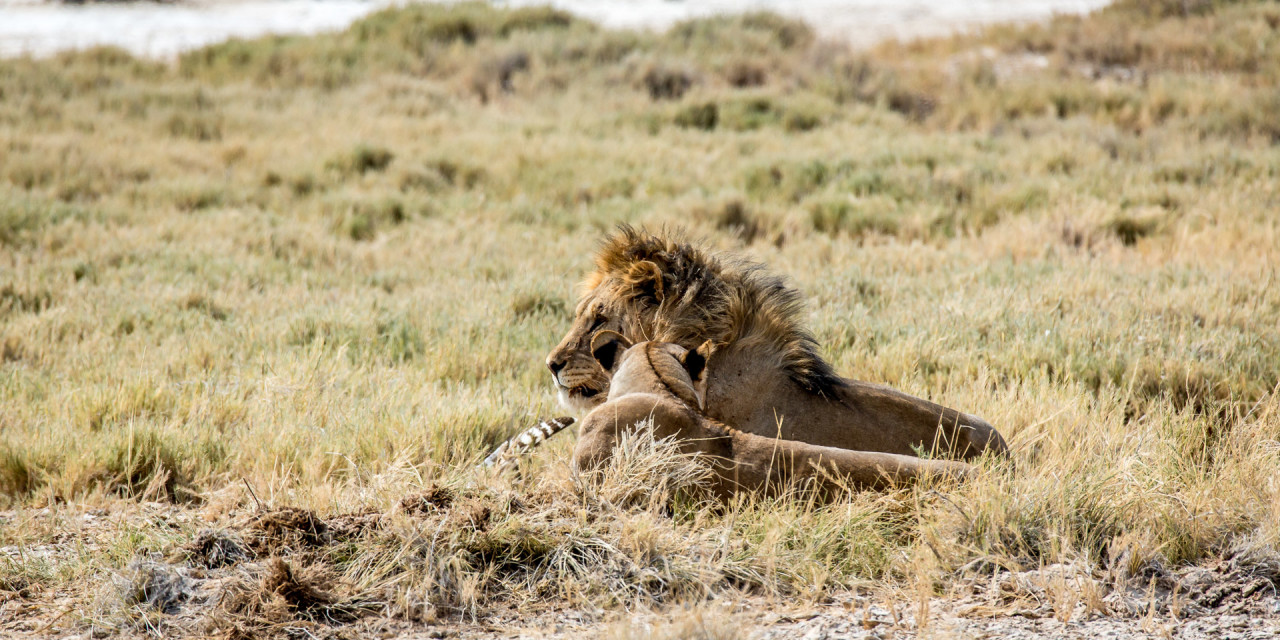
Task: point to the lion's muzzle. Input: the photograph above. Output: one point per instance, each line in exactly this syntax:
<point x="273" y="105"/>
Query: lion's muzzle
<point x="580" y="393"/>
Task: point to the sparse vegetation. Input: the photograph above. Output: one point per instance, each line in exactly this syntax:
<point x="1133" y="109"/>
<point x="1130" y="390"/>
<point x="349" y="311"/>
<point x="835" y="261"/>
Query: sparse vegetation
<point x="316" y="275"/>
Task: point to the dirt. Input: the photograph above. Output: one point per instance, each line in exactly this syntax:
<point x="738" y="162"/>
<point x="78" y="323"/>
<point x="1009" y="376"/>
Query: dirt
<point x="285" y="530"/>
<point x="471" y="516"/>
<point x="301" y="594"/>
<point x="433" y="500"/>
<point x="266" y="574"/>
<point x="946" y="621"/>
<point x="354" y="525"/>
<point x="155" y="585"/>
<point x="215" y="549"/>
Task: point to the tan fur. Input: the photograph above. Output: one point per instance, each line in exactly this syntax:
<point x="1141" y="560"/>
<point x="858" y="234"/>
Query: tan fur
<point x="659" y="382"/>
<point x="767" y="376"/>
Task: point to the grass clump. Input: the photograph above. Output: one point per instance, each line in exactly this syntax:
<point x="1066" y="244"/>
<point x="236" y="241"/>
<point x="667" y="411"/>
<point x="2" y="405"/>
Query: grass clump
<point x="699" y="116"/>
<point x="15" y="300"/>
<point x="537" y="303"/>
<point x="1063" y="228"/>
<point x="751" y="32"/>
<point x="392" y="339"/>
<point x="361" y="160"/>
<point x="362" y="218"/>
<point x="854" y="217"/>
<point x="197" y="196"/>
<point x="1129" y="229"/>
<point x="19" y="475"/>
<point x="143" y="463"/>
<point x="666" y="82"/>
<point x="21" y="218"/>
<point x="199" y="127"/>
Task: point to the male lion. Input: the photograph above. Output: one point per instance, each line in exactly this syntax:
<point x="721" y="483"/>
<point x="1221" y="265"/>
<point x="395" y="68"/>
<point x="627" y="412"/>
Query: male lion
<point x="660" y="383"/>
<point x="766" y="375"/>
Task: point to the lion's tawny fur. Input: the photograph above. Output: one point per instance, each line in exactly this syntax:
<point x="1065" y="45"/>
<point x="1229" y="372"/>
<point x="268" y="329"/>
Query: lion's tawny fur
<point x="768" y="378"/>
<point x="656" y="385"/>
<point x="724" y="299"/>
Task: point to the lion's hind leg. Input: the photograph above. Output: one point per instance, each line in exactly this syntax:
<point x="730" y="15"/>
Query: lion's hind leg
<point x="761" y="463"/>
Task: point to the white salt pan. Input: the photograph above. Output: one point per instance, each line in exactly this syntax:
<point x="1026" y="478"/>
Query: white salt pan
<point x="164" y="30"/>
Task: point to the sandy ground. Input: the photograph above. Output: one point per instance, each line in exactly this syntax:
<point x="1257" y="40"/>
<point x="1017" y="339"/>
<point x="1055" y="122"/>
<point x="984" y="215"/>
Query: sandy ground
<point x="164" y="30"/>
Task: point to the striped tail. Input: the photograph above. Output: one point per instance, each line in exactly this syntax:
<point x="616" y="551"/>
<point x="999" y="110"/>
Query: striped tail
<point x="526" y="441"/>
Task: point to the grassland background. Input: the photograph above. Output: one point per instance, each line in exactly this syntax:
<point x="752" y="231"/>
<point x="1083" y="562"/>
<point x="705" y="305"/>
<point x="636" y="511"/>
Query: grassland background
<point x="330" y="268"/>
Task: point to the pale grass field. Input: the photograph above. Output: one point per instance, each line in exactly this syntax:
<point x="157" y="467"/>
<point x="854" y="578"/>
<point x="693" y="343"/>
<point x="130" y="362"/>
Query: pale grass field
<point x="329" y="269"/>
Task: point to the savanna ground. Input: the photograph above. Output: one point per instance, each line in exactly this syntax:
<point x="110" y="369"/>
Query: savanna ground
<point x="263" y="308"/>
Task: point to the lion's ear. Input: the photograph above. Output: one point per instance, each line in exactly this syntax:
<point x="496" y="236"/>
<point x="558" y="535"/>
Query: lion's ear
<point x="646" y="278"/>
<point x="606" y="345"/>
<point x="695" y="361"/>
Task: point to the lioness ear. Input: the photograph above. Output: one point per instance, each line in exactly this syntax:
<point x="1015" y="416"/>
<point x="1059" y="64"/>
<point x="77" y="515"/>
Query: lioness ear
<point x="606" y="345"/>
<point x="646" y="278"/>
<point x="695" y="362"/>
<point x="705" y="349"/>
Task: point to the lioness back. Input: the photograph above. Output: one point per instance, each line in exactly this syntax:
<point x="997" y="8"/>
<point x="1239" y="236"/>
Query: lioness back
<point x="658" y="384"/>
<point x="602" y="427"/>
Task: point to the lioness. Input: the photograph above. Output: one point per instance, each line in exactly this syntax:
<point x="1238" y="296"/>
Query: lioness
<point x="767" y="377"/>
<point x="660" y="382"/>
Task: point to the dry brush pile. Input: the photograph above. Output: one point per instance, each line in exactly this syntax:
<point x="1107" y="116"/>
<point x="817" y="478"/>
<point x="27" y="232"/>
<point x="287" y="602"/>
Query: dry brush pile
<point x="636" y="534"/>
<point x="328" y="268"/>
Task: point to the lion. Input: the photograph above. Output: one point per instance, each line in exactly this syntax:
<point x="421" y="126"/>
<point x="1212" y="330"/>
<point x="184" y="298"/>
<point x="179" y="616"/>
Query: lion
<point x="767" y="377"/>
<point x="661" y="383"/>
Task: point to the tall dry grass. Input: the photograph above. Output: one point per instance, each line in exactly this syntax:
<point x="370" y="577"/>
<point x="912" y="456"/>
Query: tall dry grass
<point x="328" y="268"/>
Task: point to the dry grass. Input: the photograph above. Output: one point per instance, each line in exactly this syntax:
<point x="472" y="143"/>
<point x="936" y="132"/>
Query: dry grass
<point x="329" y="269"/>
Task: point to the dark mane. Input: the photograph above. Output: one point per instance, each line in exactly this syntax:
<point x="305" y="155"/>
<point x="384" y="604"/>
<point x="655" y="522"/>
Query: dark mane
<point x="693" y="295"/>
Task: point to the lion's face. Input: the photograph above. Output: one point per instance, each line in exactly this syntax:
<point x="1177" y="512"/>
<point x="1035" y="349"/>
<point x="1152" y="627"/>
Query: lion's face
<point x="582" y="383"/>
<point x="625" y="300"/>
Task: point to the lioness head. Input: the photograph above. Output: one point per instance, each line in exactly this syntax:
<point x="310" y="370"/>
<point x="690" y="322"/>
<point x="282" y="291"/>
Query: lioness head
<point x="665" y="378"/>
<point x="652" y="367"/>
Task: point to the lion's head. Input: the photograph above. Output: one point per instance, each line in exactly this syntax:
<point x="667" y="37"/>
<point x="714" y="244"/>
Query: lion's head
<point x="655" y="286"/>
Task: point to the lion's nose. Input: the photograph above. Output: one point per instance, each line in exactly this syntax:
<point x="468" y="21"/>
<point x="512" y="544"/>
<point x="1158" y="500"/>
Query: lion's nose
<point x="556" y="365"/>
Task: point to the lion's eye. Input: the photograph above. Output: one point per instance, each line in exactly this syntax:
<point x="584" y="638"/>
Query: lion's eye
<point x="598" y="322"/>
